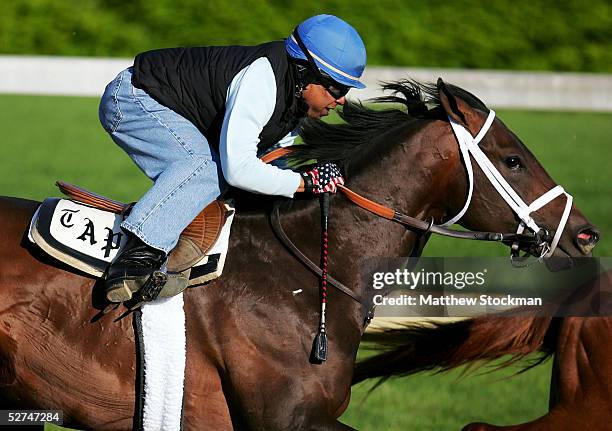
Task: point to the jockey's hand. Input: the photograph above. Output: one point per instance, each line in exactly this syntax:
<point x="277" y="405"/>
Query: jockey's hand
<point x="323" y="178"/>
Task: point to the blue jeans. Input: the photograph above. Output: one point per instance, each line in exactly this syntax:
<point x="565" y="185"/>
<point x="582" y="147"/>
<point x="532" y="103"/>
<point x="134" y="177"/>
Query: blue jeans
<point x="171" y="151"/>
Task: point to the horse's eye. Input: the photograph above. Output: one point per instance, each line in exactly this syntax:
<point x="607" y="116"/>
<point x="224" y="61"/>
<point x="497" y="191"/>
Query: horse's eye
<point x="513" y="162"/>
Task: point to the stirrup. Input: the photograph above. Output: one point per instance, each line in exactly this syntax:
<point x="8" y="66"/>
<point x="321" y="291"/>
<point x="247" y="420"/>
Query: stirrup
<point x="123" y="290"/>
<point x="153" y="286"/>
<point x="164" y="285"/>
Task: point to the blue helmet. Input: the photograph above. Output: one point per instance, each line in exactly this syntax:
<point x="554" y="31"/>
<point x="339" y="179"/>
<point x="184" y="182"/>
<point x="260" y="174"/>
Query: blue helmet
<point x="335" y="47"/>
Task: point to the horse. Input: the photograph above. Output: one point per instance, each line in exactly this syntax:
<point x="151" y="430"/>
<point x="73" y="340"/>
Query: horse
<point x="249" y="333"/>
<point x="581" y="387"/>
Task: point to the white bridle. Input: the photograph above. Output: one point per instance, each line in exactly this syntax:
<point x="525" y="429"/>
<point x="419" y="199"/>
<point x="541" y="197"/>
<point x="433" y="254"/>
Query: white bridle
<point x="469" y="145"/>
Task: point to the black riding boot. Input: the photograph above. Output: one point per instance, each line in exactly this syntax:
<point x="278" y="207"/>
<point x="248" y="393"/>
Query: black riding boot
<point x="134" y="267"/>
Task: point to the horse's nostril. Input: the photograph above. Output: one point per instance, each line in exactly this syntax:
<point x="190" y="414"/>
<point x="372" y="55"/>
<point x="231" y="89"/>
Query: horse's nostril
<point x="588" y="236"/>
<point x="586" y="239"/>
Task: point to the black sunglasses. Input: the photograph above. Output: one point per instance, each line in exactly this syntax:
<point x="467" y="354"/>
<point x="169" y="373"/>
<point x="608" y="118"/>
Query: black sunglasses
<point x="334" y="88"/>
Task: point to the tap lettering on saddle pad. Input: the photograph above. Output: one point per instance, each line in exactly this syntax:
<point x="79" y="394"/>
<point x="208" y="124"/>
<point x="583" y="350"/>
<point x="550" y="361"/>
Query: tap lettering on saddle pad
<point x="90" y="231"/>
<point x="79" y="235"/>
<point x="89" y="238"/>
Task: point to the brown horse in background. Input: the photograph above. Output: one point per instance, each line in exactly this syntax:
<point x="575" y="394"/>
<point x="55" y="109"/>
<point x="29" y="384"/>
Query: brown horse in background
<point x="249" y="334"/>
<point x="581" y="389"/>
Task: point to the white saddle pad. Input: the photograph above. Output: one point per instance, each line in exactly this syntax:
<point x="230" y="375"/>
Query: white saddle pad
<point x="89" y="239"/>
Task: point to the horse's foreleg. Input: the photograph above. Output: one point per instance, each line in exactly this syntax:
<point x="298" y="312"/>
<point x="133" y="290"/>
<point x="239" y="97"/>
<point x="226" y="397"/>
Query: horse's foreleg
<point x="282" y="411"/>
<point x="267" y="395"/>
<point x="204" y="403"/>
<point x="326" y="422"/>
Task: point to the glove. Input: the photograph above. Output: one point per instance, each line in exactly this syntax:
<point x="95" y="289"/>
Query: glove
<point x="323" y="178"/>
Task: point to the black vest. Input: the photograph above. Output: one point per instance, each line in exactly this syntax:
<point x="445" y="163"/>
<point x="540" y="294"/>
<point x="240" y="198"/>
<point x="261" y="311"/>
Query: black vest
<point x="194" y="81"/>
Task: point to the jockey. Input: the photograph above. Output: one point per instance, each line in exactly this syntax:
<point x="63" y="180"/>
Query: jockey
<point x="196" y="119"/>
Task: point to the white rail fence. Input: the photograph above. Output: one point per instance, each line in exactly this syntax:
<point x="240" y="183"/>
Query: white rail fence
<point x="86" y="76"/>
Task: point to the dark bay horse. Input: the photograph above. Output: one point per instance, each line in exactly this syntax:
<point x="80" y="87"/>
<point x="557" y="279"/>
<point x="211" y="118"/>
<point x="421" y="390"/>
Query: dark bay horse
<point x="249" y="334"/>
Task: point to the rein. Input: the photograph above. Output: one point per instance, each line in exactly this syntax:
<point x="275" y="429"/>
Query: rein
<point x="425" y="227"/>
<point x="413" y="223"/>
<point x="280" y="232"/>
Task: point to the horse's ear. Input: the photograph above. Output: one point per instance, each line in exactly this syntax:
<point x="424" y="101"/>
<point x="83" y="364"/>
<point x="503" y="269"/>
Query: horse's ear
<point x="458" y="109"/>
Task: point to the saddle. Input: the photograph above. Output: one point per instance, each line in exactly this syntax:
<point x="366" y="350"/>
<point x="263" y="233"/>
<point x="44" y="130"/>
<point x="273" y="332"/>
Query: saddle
<point x="199" y="254"/>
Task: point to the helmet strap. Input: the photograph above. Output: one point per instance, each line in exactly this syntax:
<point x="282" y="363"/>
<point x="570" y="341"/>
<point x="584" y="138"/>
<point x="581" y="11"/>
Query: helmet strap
<point x="301" y="77"/>
<point x="310" y="61"/>
<point x="303" y="74"/>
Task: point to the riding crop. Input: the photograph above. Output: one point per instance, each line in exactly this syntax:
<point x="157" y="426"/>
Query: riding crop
<point x="320" y="341"/>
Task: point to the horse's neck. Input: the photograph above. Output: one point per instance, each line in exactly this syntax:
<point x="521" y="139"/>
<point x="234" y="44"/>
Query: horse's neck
<point x="405" y="178"/>
<point x="414" y="176"/>
<point x="393" y="179"/>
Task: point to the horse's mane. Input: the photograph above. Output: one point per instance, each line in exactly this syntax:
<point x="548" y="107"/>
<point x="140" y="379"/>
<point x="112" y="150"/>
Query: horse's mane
<point x="363" y="133"/>
<point x="366" y="131"/>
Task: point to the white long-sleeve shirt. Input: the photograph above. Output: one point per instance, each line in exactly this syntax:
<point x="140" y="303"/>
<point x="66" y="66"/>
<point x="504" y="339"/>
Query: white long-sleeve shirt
<point x="250" y="102"/>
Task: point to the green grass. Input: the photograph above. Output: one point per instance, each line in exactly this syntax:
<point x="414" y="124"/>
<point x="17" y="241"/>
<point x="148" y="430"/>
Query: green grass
<point x="450" y="401"/>
<point x="52" y="427"/>
<point x="50" y="138"/>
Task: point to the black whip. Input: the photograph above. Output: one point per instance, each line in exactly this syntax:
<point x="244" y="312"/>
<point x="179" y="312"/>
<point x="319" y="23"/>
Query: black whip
<point x="320" y="341"/>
